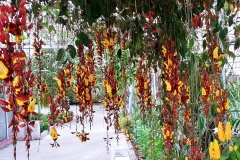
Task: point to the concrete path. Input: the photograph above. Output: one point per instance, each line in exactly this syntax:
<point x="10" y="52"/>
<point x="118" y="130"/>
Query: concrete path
<point x="70" y="146"/>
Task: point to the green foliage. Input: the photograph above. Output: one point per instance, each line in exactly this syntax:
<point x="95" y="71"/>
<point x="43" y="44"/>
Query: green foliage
<point x="150" y="145"/>
<point x="83" y="37"/>
<point x="60" y="54"/>
<point x="44" y="124"/>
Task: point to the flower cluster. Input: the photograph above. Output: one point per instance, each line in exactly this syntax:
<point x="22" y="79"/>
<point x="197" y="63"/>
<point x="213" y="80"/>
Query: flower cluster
<point x="224" y="135"/>
<point x="167" y="132"/>
<point x="15" y="70"/>
<point x="171" y="99"/>
<point x="214" y="150"/>
<point x="83" y="136"/>
<point x="143" y="89"/>
<point x="110" y="38"/>
<point x="85" y="81"/>
<point x="54" y="135"/>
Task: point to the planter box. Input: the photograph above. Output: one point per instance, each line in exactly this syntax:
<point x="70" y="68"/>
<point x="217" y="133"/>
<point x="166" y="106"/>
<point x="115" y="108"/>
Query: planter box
<point x="36" y="135"/>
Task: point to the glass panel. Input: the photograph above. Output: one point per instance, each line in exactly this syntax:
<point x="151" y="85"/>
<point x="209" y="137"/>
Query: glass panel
<point x="3" y="126"/>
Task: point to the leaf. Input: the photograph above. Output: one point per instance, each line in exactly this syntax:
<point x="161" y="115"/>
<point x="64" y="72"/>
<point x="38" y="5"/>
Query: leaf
<point x="32" y="123"/>
<point x="5" y="109"/>
<point x="237" y="44"/>
<point x="231" y="54"/>
<point x="60" y="54"/>
<point x="119" y="53"/>
<point x="10" y="124"/>
<point x="34" y="113"/>
<point x="191" y="43"/>
<point x="223" y="33"/>
<point x="83" y="37"/>
<point x="204" y="44"/>
<point x="22" y="97"/>
<point x="238" y="154"/>
<point x="23" y="2"/>
<point x="51" y="28"/>
<point x="4" y="103"/>
<point x="22" y="125"/>
<point x="72" y="51"/>
<point x="30" y="26"/>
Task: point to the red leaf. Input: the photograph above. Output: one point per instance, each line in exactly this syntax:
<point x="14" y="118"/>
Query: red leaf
<point x="4" y="103"/>
<point x="5" y="54"/>
<point x="7" y="90"/>
<point x="5" y="109"/>
<point x="34" y="113"/>
<point x="22" y="12"/>
<point x="24" y="19"/>
<point x="22" y="125"/>
<point x="30" y="26"/>
<point x="23" y="2"/>
<point x="21" y="116"/>
<point x="10" y="124"/>
<point x="10" y="9"/>
<point x="22" y="97"/>
<point x="28" y="73"/>
<point x="32" y="123"/>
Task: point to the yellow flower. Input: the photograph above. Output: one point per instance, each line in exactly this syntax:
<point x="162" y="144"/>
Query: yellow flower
<point x="146" y="84"/>
<point x="168" y="63"/>
<point x="168" y="86"/>
<point x="86" y="82"/>
<point x="221" y="135"/>
<point x="164" y="50"/>
<point x="186" y="158"/>
<point x="231" y="7"/>
<point x="230" y="148"/>
<point x="228" y="131"/>
<point x="207" y="65"/>
<point x="226" y="106"/>
<point x="204" y="93"/>
<point x="217" y="93"/>
<point x="59" y="81"/>
<point x="235" y="148"/>
<point x="31" y="106"/>
<point x="19" y="102"/>
<point x="215" y="53"/>
<point x="91" y="78"/>
<point x="66" y="71"/>
<point x="3" y="70"/>
<point x="219" y="63"/>
<point x="88" y="96"/>
<point x="53" y="134"/>
<point x="214" y="150"/>
<point x="18" y="39"/>
<point x="15" y="81"/>
<point x="109" y="88"/>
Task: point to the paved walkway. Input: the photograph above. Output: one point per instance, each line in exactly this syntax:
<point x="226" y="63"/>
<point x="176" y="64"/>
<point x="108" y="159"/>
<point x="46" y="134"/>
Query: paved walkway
<point x="70" y="146"/>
